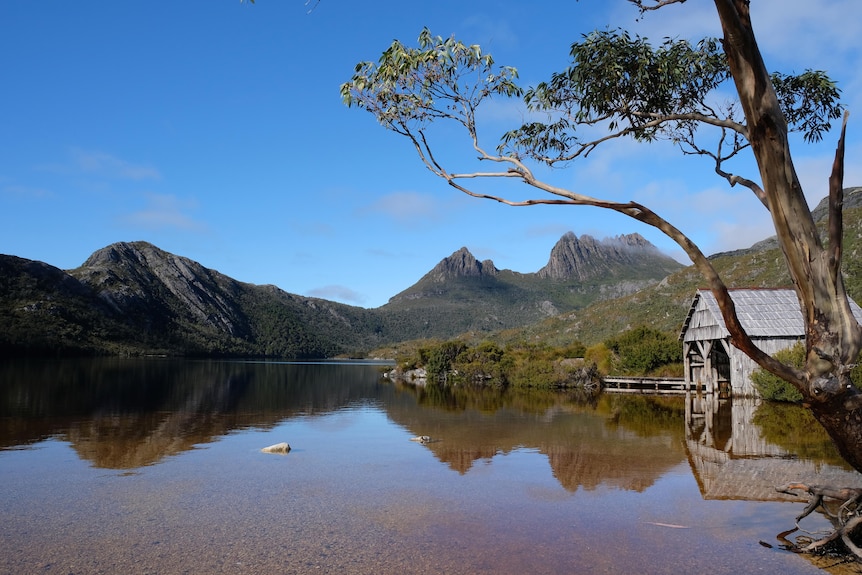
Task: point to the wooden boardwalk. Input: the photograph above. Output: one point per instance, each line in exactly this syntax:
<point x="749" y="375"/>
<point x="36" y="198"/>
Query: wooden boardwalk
<point x="646" y="385"/>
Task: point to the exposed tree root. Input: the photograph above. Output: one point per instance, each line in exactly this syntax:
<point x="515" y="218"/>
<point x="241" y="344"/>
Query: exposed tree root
<point x="846" y="519"/>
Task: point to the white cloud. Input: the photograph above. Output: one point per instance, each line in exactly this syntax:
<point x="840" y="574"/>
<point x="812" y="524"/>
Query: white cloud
<point x="796" y="28"/>
<point x="164" y="211"/>
<point x="406" y="207"/>
<point x="108" y="166"/>
<point x="337" y="293"/>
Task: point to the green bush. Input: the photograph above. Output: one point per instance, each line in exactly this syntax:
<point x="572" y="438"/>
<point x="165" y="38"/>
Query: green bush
<point x="441" y="358"/>
<point x="489" y="365"/>
<point x="774" y="388"/>
<point x="642" y="350"/>
<point x="485" y="364"/>
<point x="600" y="355"/>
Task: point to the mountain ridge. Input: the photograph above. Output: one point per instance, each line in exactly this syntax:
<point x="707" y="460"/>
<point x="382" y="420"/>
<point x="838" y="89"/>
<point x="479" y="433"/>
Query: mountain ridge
<point x="133" y="297"/>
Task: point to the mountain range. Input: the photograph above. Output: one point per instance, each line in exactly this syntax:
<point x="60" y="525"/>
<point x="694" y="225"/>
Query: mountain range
<point x="134" y="298"/>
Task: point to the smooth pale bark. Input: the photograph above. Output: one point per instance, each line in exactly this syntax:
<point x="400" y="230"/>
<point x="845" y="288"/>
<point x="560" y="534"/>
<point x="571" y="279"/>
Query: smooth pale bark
<point x="833" y="336"/>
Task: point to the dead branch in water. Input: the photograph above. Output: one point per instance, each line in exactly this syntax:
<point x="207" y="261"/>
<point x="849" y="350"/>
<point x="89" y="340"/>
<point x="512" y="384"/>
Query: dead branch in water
<point x="846" y="519"/>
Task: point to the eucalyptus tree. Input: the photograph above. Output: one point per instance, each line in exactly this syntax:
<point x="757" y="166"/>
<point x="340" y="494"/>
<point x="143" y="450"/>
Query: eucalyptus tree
<point x="628" y="88"/>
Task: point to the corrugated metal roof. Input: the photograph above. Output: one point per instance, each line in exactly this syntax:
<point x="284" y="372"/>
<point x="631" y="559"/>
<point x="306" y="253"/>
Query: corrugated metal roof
<point x="762" y="312"/>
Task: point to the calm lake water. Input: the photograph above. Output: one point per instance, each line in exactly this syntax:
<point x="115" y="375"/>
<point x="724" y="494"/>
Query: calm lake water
<point x="155" y="466"/>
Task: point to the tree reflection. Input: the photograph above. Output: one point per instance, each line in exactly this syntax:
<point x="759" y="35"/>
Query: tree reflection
<point x="795" y="429"/>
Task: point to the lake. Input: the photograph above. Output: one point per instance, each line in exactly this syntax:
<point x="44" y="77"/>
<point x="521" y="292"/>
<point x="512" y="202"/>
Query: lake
<point x="155" y="467"/>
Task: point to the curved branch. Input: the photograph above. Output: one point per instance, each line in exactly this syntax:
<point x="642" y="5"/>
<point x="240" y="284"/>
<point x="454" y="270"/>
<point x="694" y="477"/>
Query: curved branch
<point x="741" y="129"/>
<point x="733" y="179"/>
<point x="739" y="337"/>
<point x="656" y="121"/>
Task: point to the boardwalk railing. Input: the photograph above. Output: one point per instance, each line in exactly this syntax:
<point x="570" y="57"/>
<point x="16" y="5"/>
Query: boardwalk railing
<point x="650" y="385"/>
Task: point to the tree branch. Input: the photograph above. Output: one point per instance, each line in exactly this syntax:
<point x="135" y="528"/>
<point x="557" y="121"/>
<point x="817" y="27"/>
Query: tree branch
<point x="658" y="4"/>
<point x="696" y="117"/>
<point x="739" y="337"/>
<point x="836" y="205"/>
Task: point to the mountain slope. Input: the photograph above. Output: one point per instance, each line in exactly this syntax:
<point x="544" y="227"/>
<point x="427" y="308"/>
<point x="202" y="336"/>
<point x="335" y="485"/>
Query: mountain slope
<point x="45" y="310"/>
<point x="462" y="294"/>
<point x="136" y="298"/>
<point x="664" y="305"/>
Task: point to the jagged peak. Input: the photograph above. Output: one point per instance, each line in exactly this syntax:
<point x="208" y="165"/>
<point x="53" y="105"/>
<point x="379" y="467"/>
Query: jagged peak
<point x="632" y="240"/>
<point x="574" y="257"/>
<point x="462" y="263"/>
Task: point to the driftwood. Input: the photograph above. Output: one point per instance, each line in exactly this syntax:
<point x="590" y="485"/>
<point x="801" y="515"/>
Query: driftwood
<point x="846" y="519"/>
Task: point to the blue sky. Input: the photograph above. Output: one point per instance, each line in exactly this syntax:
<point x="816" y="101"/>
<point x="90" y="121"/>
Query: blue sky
<point x="215" y="131"/>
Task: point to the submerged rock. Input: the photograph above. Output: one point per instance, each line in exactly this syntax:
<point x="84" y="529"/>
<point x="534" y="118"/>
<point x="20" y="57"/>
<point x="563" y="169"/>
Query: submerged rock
<point x="277" y="448"/>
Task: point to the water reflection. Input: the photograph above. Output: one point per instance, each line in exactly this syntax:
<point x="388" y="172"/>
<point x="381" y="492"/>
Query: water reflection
<point x="743" y="448"/>
<point x="516" y="482"/>
<point x="125" y="414"/>
<point x="623" y="442"/>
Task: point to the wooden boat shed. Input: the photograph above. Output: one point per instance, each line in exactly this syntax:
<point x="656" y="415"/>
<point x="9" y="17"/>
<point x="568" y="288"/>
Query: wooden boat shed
<point x="772" y="319"/>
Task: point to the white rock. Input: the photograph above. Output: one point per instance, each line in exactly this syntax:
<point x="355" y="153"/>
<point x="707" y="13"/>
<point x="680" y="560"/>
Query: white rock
<point x="277" y="448"/>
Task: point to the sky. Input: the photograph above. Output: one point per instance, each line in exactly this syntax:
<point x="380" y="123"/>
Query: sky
<point x="215" y="130"/>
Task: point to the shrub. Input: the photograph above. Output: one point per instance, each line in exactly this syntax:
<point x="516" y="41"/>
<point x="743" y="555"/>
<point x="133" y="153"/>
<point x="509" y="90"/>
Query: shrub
<point x="485" y="364"/>
<point x="601" y="356"/>
<point x="440" y="358"/>
<point x="642" y="350"/>
<point x="774" y="388"/>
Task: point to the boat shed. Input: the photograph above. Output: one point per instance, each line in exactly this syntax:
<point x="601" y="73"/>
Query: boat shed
<point x="772" y="319"/>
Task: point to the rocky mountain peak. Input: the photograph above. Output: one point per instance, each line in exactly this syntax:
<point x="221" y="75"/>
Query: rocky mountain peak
<point x="140" y="275"/>
<point x="462" y="264"/>
<point x="585" y="257"/>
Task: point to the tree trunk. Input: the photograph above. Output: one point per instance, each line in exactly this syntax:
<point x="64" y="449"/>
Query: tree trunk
<point x="833" y="336"/>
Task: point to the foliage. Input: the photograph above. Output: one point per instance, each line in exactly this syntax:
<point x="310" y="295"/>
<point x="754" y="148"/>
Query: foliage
<point x="484" y="363"/>
<point x="487" y="364"/>
<point x="772" y="387"/>
<point x="621" y="82"/>
<point x="600" y="355"/>
<point x="441" y="78"/>
<point x="642" y="350"/>
<point x="440" y="358"/>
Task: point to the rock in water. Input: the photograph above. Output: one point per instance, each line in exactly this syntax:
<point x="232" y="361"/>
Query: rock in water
<point x="277" y="448"/>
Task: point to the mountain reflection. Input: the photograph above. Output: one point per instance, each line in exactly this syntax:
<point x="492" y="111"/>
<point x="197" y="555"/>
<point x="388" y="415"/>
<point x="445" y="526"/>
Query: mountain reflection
<point x="623" y="442"/>
<point x="123" y="414"/>
<point x="126" y="414"/>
